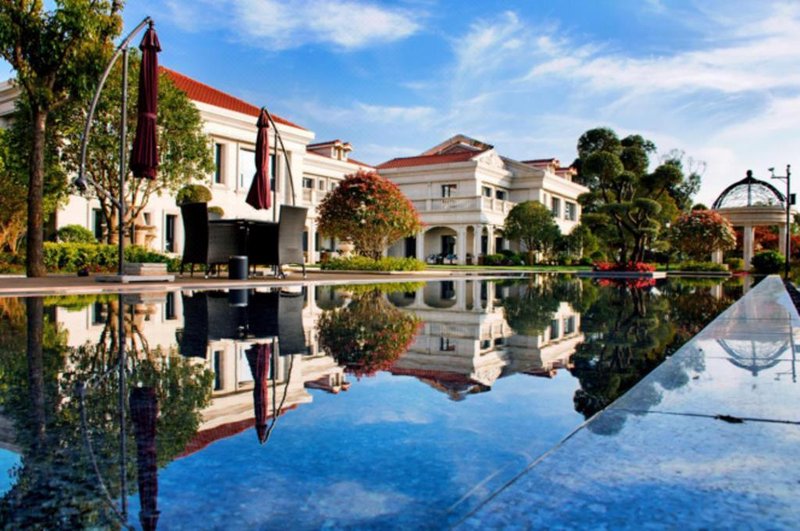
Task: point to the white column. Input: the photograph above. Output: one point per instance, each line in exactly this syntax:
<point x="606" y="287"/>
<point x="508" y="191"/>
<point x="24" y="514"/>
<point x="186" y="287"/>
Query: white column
<point x="461" y="294"/>
<point x="421" y="245"/>
<point x="782" y="239"/>
<point x="490" y="240"/>
<point x="748" y="232"/>
<point x="716" y="256"/>
<point x="461" y="245"/>
<point x="311" y="258"/>
<point x="476" y="243"/>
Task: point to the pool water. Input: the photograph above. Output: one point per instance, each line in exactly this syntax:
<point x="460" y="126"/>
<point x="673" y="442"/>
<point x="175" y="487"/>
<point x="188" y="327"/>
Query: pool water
<point x="388" y="405"/>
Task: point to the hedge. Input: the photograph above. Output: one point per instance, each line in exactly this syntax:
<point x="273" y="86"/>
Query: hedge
<point x="362" y="263"/>
<point x="70" y="257"/>
<point x="768" y="262"/>
<point x="701" y="266"/>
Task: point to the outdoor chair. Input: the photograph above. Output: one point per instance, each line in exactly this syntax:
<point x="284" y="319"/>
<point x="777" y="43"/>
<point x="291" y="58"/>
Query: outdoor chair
<point x="281" y="244"/>
<point x="210" y="244"/>
<point x="291" y="333"/>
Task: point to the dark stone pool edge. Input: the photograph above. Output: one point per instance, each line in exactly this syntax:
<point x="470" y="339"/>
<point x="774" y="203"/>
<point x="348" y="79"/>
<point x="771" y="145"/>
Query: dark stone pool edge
<point x="663" y="469"/>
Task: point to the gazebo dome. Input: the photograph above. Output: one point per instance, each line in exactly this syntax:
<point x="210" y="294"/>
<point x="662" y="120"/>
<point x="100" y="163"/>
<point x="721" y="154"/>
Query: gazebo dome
<point x="749" y="192"/>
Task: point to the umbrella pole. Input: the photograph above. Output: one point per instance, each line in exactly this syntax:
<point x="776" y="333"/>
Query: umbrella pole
<point x="123" y="131"/>
<point x="122" y="442"/>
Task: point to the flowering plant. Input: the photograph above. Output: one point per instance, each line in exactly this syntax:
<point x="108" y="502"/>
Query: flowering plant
<point x="642" y="267"/>
<point x="700" y="232"/>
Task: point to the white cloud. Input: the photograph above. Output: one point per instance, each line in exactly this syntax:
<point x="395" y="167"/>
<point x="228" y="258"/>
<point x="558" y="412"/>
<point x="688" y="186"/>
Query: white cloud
<point x="276" y="25"/>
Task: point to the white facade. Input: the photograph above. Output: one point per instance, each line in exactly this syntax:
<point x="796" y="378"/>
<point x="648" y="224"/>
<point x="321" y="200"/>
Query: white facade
<point x="463" y="190"/>
<point x="230" y="125"/>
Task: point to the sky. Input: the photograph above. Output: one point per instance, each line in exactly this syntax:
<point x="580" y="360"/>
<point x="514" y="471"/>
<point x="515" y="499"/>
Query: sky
<point x="718" y="80"/>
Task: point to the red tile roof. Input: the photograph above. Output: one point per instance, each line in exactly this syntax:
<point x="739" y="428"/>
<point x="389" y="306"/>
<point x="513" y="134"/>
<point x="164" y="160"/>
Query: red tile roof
<point x="198" y="91"/>
<point x="425" y="160"/>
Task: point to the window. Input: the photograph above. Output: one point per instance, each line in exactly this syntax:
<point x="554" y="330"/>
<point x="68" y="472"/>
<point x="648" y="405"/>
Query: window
<point x="99" y="313"/>
<point x="308" y="183"/>
<point x="500" y="194"/>
<point x="556" y="207"/>
<point x="218" y="164"/>
<point x="448" y="190"/>
<point x="169" y="307"/>
<point x="218" y="369"/>
<point x="487" y="192"/>
<point x="570" y="211"/>
<point x="486" y="343"/>
<point x="247" y="168"/>
<point x="334" y="184"/>
<point x="97" y="223"/>
<point x="445" y="345"/>
<point x="273" y="171"/>
<point x="169" y="233"/>
<point x="555" y="327"/>
<point x="569" y="325"/>
<point x="321" y="185"/>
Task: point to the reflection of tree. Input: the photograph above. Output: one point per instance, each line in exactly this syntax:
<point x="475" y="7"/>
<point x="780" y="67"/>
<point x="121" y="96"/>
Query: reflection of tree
<point x="630" y="331"/>
<point x="368" y="334"/>
<point x="626" y="336"/>
<point x="56" y="485"/>
<point x="531" y="304"/>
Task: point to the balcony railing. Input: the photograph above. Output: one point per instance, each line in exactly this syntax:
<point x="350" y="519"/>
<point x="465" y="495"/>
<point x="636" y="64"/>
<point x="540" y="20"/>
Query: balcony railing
<point x="477" y="202"/>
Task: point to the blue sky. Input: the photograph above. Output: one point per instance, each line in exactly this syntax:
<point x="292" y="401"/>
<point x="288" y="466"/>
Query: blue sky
<point x="719" y="80"/>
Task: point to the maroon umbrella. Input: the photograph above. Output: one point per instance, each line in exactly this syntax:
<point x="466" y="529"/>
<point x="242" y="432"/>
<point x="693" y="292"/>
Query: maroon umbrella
<point x="259" y="358"/>
<point x="258" y="196"/>
<point x="144" y="413"/>
<point x="144" y="157"/>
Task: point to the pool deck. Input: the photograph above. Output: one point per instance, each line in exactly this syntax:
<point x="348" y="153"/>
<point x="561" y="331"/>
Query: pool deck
<point x="710" y="439"/>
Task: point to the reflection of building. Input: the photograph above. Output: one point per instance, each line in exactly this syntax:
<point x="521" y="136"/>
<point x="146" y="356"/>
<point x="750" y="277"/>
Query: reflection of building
<point x="466" y="344"/>
<point x="463" y="190"/>
<point x="159" y="321"/>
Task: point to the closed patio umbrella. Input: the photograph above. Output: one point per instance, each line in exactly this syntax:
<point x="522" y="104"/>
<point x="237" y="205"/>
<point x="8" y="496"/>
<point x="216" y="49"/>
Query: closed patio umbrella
<point x="144" y="156"/>
<point x="144" y="413"/>
<point x="259" y="195"/>
<point x="259" y="357"/>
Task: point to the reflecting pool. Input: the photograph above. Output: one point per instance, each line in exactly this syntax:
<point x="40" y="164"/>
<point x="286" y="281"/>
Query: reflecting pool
<point x="381" y="405"/>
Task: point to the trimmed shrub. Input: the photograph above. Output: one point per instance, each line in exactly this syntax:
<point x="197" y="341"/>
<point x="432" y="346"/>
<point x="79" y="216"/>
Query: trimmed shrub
<point x="598" y="256"/>
<point x="493" y="259"/>
<point x="701" y="266"/>
<point x="193" y="193"/>
<point x="768" y="262"/>
<point x="735" y="264"/>
<point x="75" y="234"/>
<point x="216" y="211"/>
<point x="362" y="263"/>
<point x="70" y="257"/>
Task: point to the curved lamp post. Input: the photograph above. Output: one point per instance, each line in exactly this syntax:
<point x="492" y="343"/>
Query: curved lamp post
<point x="81" y="181"/>
<point x="788" y="242"/>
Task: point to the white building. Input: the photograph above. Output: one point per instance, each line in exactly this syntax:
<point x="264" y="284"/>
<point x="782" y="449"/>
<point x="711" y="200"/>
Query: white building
<point x="463" y="190"/>
<point x="230" y="124"/>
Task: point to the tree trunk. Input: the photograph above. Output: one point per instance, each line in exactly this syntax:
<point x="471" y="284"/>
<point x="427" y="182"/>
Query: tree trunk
<point x="34" y="260"/>
<point x="35" y="333"/>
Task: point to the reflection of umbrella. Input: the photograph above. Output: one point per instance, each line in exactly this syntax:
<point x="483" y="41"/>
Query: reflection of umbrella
<point x="144" y="157"/>
<point x="144" y="411"/>
<point x="258" y="196"/>
<point x="259" y="357"/>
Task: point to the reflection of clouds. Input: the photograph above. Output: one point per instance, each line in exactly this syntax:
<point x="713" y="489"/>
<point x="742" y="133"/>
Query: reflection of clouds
<point x="378" y="417"/>
<point x="337" y="501"/>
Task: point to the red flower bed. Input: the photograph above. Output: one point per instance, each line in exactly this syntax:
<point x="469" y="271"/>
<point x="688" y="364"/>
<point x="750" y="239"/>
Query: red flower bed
<point x="631" y="283"/>
<point x="630" y="266"/>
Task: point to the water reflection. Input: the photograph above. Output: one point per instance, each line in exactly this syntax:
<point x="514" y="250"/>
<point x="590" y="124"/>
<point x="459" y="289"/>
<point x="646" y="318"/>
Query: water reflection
<point x="201" y="367"/>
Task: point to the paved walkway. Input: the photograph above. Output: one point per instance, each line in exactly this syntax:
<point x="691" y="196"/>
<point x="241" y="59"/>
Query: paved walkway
<point x="710" y="439"/>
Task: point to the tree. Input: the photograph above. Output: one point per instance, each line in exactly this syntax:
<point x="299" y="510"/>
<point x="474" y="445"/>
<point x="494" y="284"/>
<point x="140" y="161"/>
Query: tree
<point x="531" y="223"/>
<point x="627" y="205"/>
<point x="700" y="232"/>
<point x="369" y="210"/>
<point x="185" y="153"/>
<point x="57" y="56"/>
<point x="12" y="199"/>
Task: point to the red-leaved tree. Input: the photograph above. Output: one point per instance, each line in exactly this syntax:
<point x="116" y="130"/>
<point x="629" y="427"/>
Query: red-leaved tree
<point x="700" y="232"/>
<point x="369" y="210"/>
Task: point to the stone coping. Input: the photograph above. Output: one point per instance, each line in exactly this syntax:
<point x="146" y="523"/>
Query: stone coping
<point x="709" y="439"/>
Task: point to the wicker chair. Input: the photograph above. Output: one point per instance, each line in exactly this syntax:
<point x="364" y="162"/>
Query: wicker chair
<point x="207" y="243"/>
<point x="281" y="243"/>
